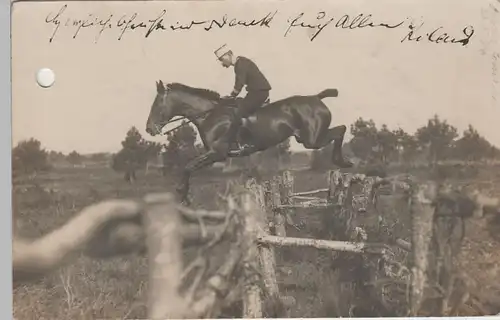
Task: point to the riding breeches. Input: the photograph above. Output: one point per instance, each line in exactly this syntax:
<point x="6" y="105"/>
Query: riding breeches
<point x="252" y="102"/>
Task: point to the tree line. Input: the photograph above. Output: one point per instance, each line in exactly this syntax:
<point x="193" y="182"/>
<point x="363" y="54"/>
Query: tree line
<point x="28" y="156"/>
<point x="435" y="141"/>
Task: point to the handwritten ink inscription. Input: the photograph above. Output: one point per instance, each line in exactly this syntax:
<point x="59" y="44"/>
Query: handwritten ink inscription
<point x="360" y="21"/>
<point x="126" y="24"/>
<point x="317" y="24"/>
<point x="344" y="22"/>
<point x="438" y="35"/>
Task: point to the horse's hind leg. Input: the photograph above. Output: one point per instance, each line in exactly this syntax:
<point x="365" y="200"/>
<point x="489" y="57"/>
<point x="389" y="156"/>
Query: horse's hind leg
<point x="338" y="134"/>
<point x="335" y="134"/>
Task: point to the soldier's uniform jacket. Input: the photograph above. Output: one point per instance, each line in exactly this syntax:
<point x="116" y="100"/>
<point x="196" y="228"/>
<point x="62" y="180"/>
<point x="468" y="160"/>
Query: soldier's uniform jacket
<point x="247" y="73"/>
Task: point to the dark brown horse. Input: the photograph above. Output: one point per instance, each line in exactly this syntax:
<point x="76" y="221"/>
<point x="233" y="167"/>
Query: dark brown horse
<point x="305" y="117"/>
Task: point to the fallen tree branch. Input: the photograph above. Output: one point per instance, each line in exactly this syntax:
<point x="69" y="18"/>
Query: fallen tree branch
<point x="403" y="244"/>
<point x="191" y="291"/>
<point x="306" y="205"/>
<point x="195" y="215"/>
<point x="217" y="286"/>
<point x="225" y="227"/>
<point x="308" y="198"/>
<point x="218" y="283"/>
<point x="307" y="193"/>
<point x="358" y="247"/>
<point x="193" y="234"/>
<point x="126" y="237"/>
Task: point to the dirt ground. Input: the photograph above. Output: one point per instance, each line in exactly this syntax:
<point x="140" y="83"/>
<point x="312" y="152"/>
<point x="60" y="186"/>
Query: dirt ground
<point x="117" y="288"/>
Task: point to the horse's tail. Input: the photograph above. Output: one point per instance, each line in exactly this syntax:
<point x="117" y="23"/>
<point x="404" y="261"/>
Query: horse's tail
<point x="327" y="93"/>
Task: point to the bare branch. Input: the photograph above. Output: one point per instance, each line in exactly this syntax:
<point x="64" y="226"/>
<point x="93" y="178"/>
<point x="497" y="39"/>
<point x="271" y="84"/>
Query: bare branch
<point x="307" y="193"/>
<point x="359" y="247"/>
<point x="194" y="215"/>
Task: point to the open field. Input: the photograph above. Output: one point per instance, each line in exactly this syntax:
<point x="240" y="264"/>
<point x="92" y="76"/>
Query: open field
<point x="117" y="288"/>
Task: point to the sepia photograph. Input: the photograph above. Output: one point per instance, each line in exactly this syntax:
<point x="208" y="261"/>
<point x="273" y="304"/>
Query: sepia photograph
<point x="255" y="159"/>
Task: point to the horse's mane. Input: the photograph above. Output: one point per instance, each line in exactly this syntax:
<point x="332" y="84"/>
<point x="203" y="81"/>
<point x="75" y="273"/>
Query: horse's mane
<point x="205" y="93"/>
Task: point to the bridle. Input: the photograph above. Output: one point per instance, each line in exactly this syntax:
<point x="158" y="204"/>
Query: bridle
<point x="161" y="125"/>
<point x="197" y="116"/>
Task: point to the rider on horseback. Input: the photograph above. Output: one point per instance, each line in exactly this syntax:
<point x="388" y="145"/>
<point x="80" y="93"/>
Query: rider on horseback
<point x="247" y="73"/>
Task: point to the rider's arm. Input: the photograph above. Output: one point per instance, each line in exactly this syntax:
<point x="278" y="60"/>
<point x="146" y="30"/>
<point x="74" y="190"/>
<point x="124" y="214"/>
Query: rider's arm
<point x="240" y="70"/>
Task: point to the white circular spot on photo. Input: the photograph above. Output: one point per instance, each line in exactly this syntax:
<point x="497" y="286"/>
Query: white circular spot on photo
<point x="45" y="77"/>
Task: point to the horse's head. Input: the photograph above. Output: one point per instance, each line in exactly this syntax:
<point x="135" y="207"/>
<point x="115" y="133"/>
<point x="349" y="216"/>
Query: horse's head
<point x="161" y="111"/>
<point x="176" y="99"/>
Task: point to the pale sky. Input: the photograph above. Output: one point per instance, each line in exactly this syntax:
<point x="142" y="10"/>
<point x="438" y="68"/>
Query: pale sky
<point x="104" y="88"/>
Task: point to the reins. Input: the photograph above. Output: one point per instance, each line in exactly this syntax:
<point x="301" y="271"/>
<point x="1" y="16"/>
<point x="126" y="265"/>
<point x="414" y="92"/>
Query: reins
<point x="184" y="123"/>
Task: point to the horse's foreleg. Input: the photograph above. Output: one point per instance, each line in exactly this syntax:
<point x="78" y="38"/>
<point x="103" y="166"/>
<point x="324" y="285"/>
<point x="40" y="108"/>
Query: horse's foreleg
<point x="197" y="163"/>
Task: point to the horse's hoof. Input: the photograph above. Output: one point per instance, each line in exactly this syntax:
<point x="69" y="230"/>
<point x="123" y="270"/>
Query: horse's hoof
<point x="185" y="201"/>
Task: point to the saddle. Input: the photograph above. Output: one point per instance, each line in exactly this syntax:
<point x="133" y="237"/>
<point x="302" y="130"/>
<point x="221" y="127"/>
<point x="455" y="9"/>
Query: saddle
<point x="242" y="131"/>
<point x="233" y="102"/>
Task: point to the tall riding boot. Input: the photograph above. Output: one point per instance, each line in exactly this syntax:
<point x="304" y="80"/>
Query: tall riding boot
<point x="235" y="145"/>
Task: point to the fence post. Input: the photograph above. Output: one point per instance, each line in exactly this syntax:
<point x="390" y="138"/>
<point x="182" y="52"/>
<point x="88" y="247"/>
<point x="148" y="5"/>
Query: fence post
<point x="164" y="242"/>
<point x="279" y="219"/>
<point x="266" y="252"/>
<point x="330" y="182"/>
<point x="334" y="198"/>
<point x="287" y="193"/>
<point x="252" y="303"/>
<point x="368" y="193"/>
<point x="422" y="215"/>
<point x="334" y="186"/>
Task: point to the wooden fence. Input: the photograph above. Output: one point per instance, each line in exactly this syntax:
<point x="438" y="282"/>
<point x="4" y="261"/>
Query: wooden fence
<point x="279" y="200"/>
<point x="246" y="221"/>
<point x="248" y="273"/>
<point x="436" y="211"/>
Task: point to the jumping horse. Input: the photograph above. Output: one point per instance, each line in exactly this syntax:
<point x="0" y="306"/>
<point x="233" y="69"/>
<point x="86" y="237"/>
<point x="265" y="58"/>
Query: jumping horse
<point x="306" y="118"/>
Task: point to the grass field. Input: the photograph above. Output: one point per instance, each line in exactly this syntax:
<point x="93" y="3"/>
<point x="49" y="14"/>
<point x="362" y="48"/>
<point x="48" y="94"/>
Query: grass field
<point x="117" y="288"/>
